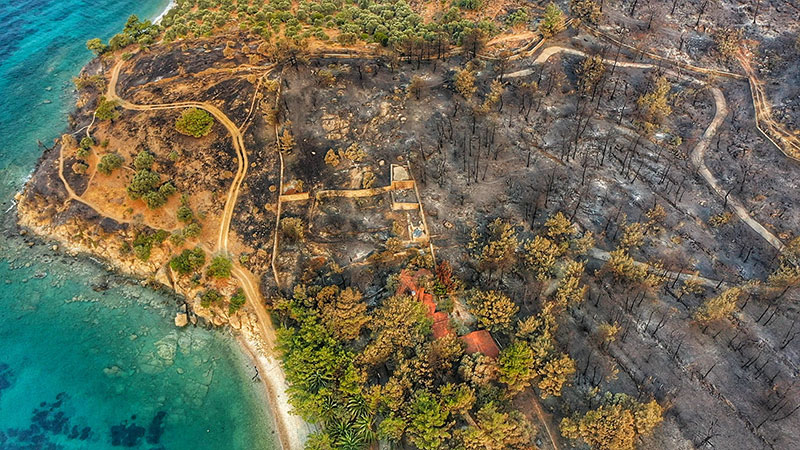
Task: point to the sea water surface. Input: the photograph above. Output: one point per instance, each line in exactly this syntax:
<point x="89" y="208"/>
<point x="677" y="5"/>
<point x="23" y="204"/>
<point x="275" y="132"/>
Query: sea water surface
<point x="90" y="360"/>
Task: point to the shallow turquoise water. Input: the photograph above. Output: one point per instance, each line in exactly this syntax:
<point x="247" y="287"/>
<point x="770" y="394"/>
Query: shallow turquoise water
<point x="84" y="368"/>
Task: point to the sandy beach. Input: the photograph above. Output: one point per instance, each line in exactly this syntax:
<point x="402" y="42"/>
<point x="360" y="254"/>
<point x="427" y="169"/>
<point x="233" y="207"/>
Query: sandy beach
<point x="164" y="12"/>
<point x="292" y="430"/>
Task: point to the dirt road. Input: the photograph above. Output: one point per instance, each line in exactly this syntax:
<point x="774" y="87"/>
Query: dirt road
<point x="698" y="152"/>
<point x="698" y="159"/>
<point x="291" y="429"/>
<point x="763" y="113"/>
<point x="236" y="135"/>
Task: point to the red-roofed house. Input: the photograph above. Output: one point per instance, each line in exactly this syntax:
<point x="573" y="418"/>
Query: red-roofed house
<point x="407" y="282"/>
<point x="481" y="342"/>
<point x="477" y="342"/>
<point x="441" y="324"/>
<point x="427" y="300"/>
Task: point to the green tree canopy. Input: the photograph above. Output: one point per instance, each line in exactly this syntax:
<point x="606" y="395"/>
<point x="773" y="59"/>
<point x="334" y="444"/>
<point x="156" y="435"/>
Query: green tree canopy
<point x="109" y="163"/>
<point x="188" y="261"/>
<point x="615" y="424"/>
<point x="96" y="46"/>
<point x="195" y="122"/>
<point x="428" y="425"/>
<point x="238" y="300"/>
<point x="220" y="267"/>
<point x="143" y="161"/>
<point x="515" y="366"/>
<point x="553" y="21"/>
<point x="494" y="310"/>
<point x="210" y="297"/>
<point x="106" y="110"/>
<point x="496" y="430"/>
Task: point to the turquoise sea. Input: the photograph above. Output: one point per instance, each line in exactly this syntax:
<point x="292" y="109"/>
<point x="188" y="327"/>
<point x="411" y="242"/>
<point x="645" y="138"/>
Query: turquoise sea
<point x="90" y="360"/>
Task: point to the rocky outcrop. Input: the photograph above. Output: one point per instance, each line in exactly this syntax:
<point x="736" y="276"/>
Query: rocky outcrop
<point x="76" y="233"/>
<point x="181" y="319"/>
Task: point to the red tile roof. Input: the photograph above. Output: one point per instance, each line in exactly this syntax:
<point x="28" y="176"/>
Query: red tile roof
<point x="481" y="342"/>
<point x="441" y="325"/>
<point x="427" y="300"/>
<point x="477" y="342"/>
<point x="407" y="282"/>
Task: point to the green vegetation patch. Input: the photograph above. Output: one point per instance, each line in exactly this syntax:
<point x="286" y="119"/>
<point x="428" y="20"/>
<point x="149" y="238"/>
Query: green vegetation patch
<point x="109" y="163"/>
<point x="146" y="183"/>
<point x="144" y="160"/>
<point x="188" y="261"/>
<point x="237" y="301"/>
<point x="219" y="268"/>
<point x="210" y="297"/>
<point x="106" y="109"/>
<point x="194" y="122"/>
<point x="144" y="241"/>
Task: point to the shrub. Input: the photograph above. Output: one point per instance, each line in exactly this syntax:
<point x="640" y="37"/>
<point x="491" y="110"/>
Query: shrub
<point x="469" y="4"/>
<point x="177" y="239"/>
<point x="106" y="110"/>
<point x="237" y="301"/>
<point x="220" y="267"/>
<point x="587" y="10"/>
<point x="188" y="261"/>
<point x="326" y="77"/>
<point x="368" y="180"/>
<point x="617" y="423"/>
<point x="96" y="46"/>
<point x="553" y="21"/>
<point x="494" y="310"/>
<point x="142" y="252"/>
<point x="143" y="182"/>
<point x="518" y="17"/>
<point x="109" y="163"/>
<point x="210" y="297"/>
<point x="332" y="158"/>
<point x="87" y="142"/>
<point x="84" y="81"/>
<point x="719" y="307"/>
<point x="145" y="186"/>
<point x="158" y="198"/>
<point x="192" y="230"/>
<point x="167" y="189"/>
<point x="154" y="200"/>
<point x="185" y="214"/>
<point x="144" y="241"/>
<point x="727" y="42"/>
<point x="354" y="153"/>
<point x="80" y="168"/>
<point x="293" y="228"/>
<point x="144" y="160"/>
<point x="194" y="122"/>
<point x="465" y="83"/>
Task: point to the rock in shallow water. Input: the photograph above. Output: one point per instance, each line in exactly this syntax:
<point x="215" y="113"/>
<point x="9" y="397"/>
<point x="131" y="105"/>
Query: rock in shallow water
<point x="181" y="320"/>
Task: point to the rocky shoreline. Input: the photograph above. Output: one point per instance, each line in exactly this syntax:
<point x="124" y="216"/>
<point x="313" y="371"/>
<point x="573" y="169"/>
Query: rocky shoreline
<point x="291" y="429"/>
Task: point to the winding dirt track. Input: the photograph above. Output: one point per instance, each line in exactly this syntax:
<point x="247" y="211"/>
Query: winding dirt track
<point x="763" y="113"/>
<point x="698" y="153"/>
<point x="275" y="383"/>
<point x="289" y="427"/>
<point x="698" y="160"/>
<point x="236" y="135"/>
